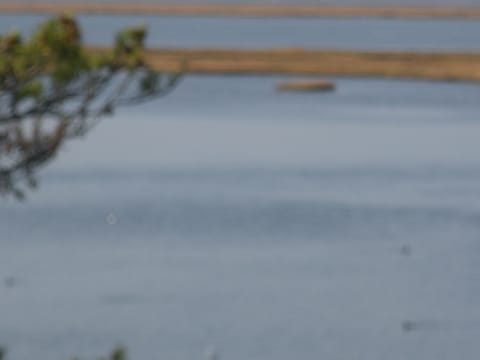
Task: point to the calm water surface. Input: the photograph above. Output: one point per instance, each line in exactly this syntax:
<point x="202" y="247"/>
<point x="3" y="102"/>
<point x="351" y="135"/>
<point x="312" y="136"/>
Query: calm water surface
<point x="285" y="228"/>
<point x="269" y="226"/>
<point x="257" y="32"/>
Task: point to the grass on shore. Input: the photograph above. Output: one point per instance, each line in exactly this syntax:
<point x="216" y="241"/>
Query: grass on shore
<point x="446" y="66"/>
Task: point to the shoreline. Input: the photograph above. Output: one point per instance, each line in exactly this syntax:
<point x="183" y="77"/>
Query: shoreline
<point x="248" y="10"/>
<point x="441" y="66"/>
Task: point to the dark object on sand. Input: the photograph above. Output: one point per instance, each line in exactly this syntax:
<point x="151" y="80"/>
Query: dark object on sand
<point x="306" y="85"/>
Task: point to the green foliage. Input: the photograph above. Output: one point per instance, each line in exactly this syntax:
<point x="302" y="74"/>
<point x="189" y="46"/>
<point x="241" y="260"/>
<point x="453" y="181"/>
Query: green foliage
<point x="149" y="82"/>
<point x="52" y="77"/>
<point x="32" y="88"/>
<point x="128" y="46"/>
<point x="118" y="353"/>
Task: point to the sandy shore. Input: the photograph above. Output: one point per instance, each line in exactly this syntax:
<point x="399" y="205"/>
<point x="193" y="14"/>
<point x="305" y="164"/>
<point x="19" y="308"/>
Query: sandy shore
<point x="270" y="10"/>
<point x="408" y="65"/>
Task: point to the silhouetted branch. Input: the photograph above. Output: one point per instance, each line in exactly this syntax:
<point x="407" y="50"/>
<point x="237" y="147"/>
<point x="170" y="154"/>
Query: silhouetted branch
<point x="53" y="89"/>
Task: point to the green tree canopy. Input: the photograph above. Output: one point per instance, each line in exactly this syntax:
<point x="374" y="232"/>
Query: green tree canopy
<point x="54" y="88"/>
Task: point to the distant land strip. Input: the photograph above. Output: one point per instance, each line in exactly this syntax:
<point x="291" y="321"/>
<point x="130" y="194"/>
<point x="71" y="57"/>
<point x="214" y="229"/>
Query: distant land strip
<point x="263" y="10"/>
<point x="445" y="66"/>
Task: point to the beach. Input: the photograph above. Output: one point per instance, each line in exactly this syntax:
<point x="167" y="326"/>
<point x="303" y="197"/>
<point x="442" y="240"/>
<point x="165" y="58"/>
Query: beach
<point x="447" y="66"/>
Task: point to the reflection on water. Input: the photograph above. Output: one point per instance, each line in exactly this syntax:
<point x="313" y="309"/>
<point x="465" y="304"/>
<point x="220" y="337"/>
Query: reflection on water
<point x="265" y="225"/>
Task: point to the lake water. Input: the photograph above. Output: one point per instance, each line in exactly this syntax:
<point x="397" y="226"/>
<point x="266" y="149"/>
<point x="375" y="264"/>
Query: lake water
<point x="257" y="32"/>
<point x="269" y="226"/>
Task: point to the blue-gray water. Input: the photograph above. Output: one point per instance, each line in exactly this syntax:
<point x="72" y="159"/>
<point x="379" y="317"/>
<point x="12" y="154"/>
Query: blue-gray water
<point x="270" y="226"/>
<point x="258" y="32"/>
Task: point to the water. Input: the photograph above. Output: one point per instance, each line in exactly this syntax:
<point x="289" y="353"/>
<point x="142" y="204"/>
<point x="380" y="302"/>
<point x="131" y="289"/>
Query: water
<point x="270" y="231"/>
<point x="270" y="226"/>
<point x="257" y="32"/>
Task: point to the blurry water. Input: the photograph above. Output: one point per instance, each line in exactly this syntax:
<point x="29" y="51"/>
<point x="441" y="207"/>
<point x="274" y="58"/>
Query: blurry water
<point x="270" y="226"/>
<point x="267" y="32"/>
